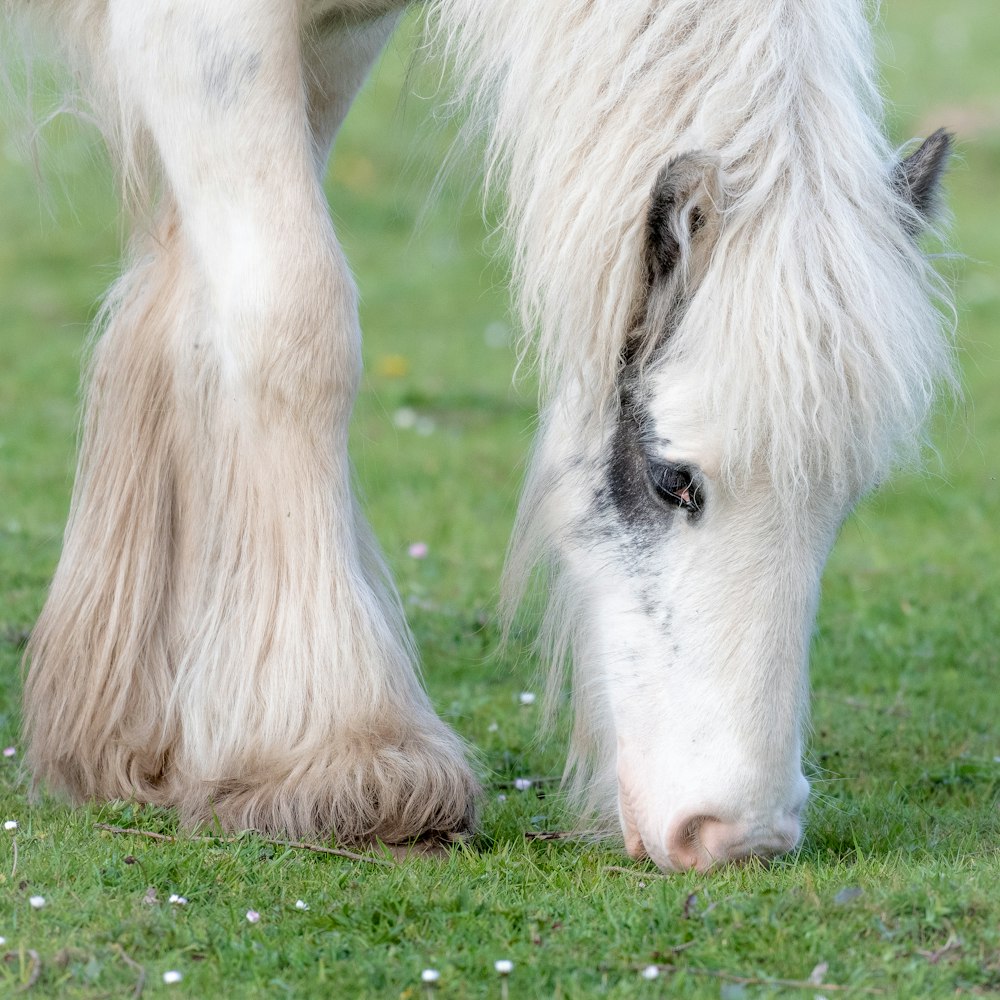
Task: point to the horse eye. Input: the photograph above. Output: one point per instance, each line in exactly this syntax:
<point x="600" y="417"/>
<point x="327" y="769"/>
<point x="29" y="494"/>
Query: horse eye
<point x="677" y="485"/>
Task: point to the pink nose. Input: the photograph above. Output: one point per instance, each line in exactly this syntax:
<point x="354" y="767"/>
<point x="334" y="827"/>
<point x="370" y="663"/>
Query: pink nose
<point x="704" y="842"/>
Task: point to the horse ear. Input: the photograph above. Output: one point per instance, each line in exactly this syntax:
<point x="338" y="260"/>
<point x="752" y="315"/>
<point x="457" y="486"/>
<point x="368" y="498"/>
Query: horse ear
<point x="683" y="217"/>
<point x="917" y="179"/>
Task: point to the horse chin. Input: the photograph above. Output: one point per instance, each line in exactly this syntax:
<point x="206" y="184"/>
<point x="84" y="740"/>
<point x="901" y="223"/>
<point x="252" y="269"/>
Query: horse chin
<point x="627" y="815"/>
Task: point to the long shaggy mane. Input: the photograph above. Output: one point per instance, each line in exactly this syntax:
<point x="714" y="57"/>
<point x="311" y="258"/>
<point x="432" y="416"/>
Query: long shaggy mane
<point x="818" y="317"/>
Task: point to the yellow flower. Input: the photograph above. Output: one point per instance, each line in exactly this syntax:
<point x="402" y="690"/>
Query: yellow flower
<point x="392" y="366"/>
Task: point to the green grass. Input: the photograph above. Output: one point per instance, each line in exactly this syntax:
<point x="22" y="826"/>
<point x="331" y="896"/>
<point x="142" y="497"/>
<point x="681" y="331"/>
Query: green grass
<point x="897" y="885"/>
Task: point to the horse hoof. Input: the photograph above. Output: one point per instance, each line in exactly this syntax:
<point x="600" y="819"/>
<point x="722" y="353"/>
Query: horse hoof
<point x="394" y="790"/>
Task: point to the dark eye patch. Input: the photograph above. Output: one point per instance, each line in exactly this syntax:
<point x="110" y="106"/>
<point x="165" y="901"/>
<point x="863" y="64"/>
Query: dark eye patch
<point x="677" y="485"/>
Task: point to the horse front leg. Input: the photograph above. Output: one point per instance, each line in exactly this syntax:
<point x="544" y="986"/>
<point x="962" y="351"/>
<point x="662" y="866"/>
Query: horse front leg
<point x="221" y="635"/>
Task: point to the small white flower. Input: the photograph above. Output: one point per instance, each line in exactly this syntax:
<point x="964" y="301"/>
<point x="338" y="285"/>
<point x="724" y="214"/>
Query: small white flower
<point x="504" y="966"/>
<point x="173" y="976"/>
<point x="178" y="900"/>
<point x="522" y="784"/>
<point x="526" y="697"/>
<point x="9" y="751"/>
<point x="253" y="916"/>
<point x="650" y="972"/>
<point x="301" y="904"/>
<point x="501" y="797"/>
<point x="430" y="976"/>
<point x="3" y="941"/>
<point x="37" y="902"/>
<point x="405" y="417"/>
<point x="10" y="824"/>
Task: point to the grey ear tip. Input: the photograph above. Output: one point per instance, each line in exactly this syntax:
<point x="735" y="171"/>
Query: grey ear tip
<point x="690" y="161"/>
<point x="942" y="140"/>
<point x="937" y="147"/>
<point x="929" y="159"/>
<point x="917" y="177"/>
<point x="678" y="181"/>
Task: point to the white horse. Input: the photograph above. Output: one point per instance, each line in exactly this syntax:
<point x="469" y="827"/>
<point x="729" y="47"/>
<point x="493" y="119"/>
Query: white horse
<point x="716" y="250"/>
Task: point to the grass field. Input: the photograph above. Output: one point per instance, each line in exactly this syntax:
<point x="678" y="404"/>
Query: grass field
<point x="896" y="888"/>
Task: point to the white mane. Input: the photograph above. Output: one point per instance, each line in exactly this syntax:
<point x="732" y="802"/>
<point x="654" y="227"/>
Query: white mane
<point x="815" y="315"/>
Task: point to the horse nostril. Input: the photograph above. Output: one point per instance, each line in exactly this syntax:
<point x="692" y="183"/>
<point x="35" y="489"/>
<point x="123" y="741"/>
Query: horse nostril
<point x="704" y="842"/>
<point x="684" y="844"/>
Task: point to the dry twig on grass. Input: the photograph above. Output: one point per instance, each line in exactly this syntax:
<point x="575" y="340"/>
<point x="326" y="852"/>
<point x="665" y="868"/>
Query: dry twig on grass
<point x="296" y="844"/>
<point x="638" y="872"/>
<point x="560" y="834"/>
<point x="790" y="984"/>
<point x="36" y="967"/>
<point x="133" y="964"/>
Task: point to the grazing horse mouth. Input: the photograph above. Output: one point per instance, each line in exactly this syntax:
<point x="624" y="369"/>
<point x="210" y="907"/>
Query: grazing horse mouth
<point x="701" y="839"/>
<point x="703" y="843"/>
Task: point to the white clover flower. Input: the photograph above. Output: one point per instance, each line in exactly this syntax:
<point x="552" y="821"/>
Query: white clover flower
<point x="301" y="904"/>
<point x="651" y="972"/>
<point x="504" y="966"/>
<point x="522" y="784"/>
<point x="501" y="797"/>
<point x="9" y="751"/>
<point x="173" y="976"/>
<point x="405" y="417"/>
<point x="253" y="916"/>
<point x="430" y="976"/>
<point x="526" y="697"/>
<point x="177" y="900"/>
<point x="37" y="902"/>
<point x="10" y="824"/>
<point x="3" y="941"/>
